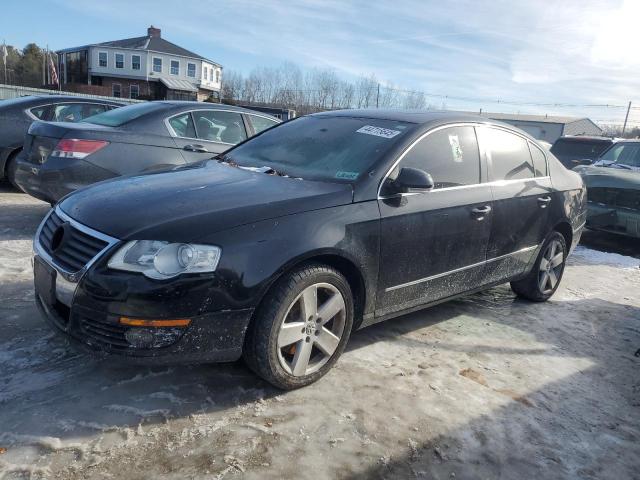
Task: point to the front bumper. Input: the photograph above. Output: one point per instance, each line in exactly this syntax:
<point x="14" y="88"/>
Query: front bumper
<point x="213" y="337"/>
<point x="624" y="221"/>
<point x="52" y="180"/>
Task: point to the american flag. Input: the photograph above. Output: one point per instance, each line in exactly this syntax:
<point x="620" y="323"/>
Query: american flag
<point x="52" y="71"/>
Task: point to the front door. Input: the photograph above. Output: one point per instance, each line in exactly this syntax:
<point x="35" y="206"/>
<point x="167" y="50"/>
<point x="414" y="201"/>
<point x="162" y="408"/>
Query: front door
<point x="433" y="244"/>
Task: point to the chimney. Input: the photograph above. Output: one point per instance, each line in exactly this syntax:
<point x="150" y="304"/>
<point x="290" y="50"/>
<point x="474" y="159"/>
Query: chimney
<point x="153" y="32"/>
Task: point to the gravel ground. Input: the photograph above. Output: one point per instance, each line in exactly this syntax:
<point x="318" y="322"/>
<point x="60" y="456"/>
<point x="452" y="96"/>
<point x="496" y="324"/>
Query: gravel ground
<point x="484" y="387"/>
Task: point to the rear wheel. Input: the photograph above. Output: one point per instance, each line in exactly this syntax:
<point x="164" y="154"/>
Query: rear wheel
<point x="546" y="274"/>
<point x="302" y="328"/>
<point x="10" y="169"/>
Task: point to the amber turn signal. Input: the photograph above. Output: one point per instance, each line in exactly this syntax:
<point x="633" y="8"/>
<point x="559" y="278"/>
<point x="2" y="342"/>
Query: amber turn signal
<point x="137" y="322"/>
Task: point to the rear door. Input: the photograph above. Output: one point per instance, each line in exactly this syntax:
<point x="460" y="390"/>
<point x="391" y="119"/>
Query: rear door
<point x="522" y="194"/>
<point x="202" y="134"/>
<point x="434" y="244"/>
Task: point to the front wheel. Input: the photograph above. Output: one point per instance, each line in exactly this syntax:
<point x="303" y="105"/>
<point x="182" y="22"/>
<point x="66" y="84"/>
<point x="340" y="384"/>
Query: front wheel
<point x="544" y="278"/>
<point x="302" y="327"/>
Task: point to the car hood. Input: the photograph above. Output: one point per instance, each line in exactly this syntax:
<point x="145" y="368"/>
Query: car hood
<point x="189" y="203"/>
<point x="610" y="177"/>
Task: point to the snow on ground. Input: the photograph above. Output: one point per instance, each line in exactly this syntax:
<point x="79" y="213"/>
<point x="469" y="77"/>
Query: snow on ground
<point x="484" y="387"/>
<point x="595" y="257"/>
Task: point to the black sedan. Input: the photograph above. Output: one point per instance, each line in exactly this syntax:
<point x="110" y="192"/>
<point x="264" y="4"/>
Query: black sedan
<point x="59" y="158"/>
<point x="285" y="244"/>
<point x="17" y="114"/>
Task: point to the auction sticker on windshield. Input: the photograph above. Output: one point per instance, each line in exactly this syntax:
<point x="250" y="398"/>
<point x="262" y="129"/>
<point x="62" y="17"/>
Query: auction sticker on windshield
<point x="378" y="131"/>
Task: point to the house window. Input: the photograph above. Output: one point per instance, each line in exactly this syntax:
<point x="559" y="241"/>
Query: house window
<point x="135" y="62"/>
<point x="206" y="72"/>
<point x="134" y="91"/>
<point x="191" y="70"/>
<point x="217" y="76"/>
<point x="175" y="67"/>
<point x="157" y="64"/>
<point x="102" y="59"/>
<point x="119" y="60"/>
<point x="116" y="90"/>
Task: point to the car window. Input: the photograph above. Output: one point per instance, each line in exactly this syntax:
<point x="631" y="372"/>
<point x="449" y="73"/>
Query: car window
<point x="95" y="109"/>
<point x="217" y="126"/>
<point x="449" y="155"/>
<point x="329" y="148"/>
<point x="39" y="112"/>
<point x="539" y="160"/>
<point x="509" y="154"/>
<point x="182" y="125"/>
<point x="70" y="112"/>
<point x="261" y="123"/>
<point x="122" y="115"/>
<point x="623" y="153"/>
<point x="579" y="149"/>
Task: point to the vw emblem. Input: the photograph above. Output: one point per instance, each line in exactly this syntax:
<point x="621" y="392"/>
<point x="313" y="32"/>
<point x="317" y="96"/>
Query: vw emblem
<point x="58" y="238"/>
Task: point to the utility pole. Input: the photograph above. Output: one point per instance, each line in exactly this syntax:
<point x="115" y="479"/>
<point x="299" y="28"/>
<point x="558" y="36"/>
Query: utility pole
<point x="626" y="117"/>
<point x="378" y="97"/>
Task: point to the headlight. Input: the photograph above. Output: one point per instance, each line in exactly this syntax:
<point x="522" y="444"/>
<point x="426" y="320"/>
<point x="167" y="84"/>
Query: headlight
<point x="161" y="260"/>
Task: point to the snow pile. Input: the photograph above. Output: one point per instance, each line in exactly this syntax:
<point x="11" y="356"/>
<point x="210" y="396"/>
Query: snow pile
<point x="595" y="257"/>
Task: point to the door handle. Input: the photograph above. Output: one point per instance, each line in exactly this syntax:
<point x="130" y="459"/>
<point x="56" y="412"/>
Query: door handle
<point x="544" y="201"/>
<point x="480" y="212"/>
<point x="195" y="148"/>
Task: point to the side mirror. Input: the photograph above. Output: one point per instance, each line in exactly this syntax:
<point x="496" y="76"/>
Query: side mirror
<point x="582" y="161"/>
<point x="413" y="179"/>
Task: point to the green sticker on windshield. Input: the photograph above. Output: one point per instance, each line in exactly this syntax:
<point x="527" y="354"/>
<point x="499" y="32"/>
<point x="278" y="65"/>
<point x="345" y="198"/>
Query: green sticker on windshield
<point x="347" y="175"/>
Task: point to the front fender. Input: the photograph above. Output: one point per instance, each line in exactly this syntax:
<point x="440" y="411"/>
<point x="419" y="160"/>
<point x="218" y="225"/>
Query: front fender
<point x="254" y="256"/>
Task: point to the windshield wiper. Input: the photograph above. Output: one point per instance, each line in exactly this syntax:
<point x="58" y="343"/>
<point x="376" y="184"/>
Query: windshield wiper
<point x="264" y="169"/>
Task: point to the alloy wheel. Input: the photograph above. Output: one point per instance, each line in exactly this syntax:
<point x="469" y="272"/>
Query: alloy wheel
<point x="551" y="265"/>
<point x="311" y="329"/>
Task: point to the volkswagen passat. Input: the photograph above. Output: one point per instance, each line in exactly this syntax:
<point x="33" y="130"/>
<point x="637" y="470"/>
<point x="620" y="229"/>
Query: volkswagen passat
<point x="278" y="249"/>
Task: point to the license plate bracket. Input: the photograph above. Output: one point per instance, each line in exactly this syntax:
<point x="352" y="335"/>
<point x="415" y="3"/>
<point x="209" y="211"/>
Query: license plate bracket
<point x="44" y="278"/>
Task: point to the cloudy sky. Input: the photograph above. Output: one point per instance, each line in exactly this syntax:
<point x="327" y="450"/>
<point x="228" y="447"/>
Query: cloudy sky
<point x="563" y="52"/>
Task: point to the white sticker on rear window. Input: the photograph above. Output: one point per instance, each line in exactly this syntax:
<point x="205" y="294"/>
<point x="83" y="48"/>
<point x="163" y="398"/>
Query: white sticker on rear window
<point x="456" y="149"/>
<point x="378" y="131"/>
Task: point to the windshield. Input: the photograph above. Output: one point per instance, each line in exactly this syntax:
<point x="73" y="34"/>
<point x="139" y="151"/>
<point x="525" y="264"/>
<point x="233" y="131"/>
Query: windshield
<point x="122" y="115"/>
<point x="322" y="148"/>
<point x="579" y="149"/>
<point x="621" y="155"/>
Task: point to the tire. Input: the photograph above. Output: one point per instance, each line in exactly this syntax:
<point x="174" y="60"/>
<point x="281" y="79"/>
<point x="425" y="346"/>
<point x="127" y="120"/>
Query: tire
<point x="288" y="327"/>
<point x="543" y="280"/>
<point x="10" y="169"/>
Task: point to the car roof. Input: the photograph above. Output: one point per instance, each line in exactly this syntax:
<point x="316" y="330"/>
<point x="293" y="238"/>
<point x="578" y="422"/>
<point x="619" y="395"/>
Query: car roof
<point x="180" y="104"/>
<point x="65" y="98"/>
<point x="588" y="138"/>
<point x="422" y="117"/>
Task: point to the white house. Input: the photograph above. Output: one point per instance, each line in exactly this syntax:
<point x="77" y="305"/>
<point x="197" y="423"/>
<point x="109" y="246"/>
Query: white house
<point x="148" y="67"/>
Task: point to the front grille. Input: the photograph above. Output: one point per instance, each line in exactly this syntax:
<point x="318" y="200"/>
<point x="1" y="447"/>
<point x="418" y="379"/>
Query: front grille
<point x="104" y="332"/>
<point x="77" y="248"/>
<point x="616" y="197"/>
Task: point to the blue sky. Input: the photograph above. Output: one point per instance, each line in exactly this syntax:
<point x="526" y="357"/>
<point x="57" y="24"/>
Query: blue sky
<point x="571" y="51"/>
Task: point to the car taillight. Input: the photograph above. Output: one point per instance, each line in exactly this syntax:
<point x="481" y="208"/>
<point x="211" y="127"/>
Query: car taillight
<point x="74" y="148"/>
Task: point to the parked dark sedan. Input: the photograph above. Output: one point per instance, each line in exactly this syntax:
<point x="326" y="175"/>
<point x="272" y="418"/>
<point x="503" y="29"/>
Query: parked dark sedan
<point x="62" y="157"/>
<point x="17" y="114"/>
<point x="282" y="247"/>
<point x="614" y="190"/>
<point x="574" y="150"/>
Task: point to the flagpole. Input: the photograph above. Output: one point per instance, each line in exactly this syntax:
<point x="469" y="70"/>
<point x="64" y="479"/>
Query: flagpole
<point x="4" y="57"/>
